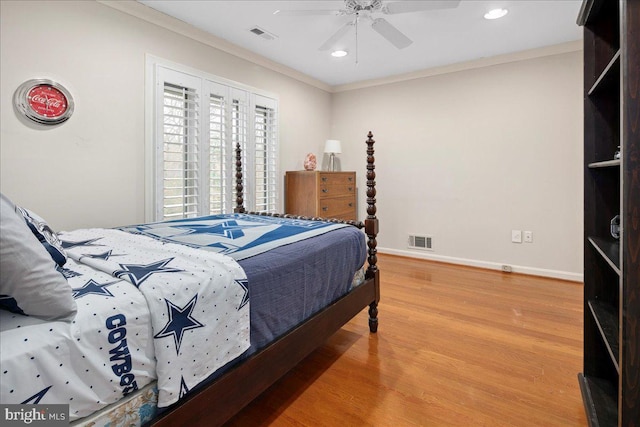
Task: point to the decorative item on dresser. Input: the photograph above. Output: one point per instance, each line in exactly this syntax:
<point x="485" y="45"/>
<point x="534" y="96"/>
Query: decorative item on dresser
<point x="321" y="194"/>
<point x="310" y="162"/>
<point x="610" y="382"/>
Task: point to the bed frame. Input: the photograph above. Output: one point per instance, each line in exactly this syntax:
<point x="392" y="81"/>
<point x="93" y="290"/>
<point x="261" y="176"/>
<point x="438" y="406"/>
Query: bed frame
<point x="222" y="399"/>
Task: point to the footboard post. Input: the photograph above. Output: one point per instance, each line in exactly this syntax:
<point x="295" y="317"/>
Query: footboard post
<point x="371" y="228"/>
<point x="239" y="199"/>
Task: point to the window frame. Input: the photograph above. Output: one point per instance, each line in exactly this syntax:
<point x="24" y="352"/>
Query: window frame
<point x="210" y="85"/>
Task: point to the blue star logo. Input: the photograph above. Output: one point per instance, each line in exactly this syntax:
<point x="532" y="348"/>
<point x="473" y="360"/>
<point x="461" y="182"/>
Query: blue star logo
<point x="10" y="304"/>
<point x="180" y="320"/>
<point x="183" y="387"/>
<point x="138" y="273"/>
<point x="229" y="229"/>
<point x="35" y="399"/>
<point x="103" y="256"/>
<point x="68" y="245"/>
<point x="94" y="288"/>
<point x="244" y="283"/>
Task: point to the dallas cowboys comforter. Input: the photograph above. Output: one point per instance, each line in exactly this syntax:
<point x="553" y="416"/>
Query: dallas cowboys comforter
<point x="110" y="349"/>
<point x="146" y="310"/>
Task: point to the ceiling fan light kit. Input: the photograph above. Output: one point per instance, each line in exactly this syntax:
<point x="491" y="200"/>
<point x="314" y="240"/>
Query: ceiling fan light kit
<point x="495" y="14"/>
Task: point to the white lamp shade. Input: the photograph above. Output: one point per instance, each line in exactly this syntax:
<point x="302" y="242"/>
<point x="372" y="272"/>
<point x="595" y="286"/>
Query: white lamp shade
<point x="332" y="146"/>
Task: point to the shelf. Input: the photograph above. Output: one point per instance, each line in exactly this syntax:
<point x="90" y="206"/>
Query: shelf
<point x="600" y="404"/>
<point x="588" y="10"/>
<point x="611" y="71"/>
<point x="609" y="250"/>
<point x="606" y="318"/>
<point x="605" y="164"/>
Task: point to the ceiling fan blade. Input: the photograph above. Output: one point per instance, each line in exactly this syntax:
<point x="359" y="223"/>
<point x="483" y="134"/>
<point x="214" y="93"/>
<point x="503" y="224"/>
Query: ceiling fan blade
<point x="391" y="33"/>
<point x="336" y="37"/>
<point x="418" y="6"/>
<point x="285" y="12"/>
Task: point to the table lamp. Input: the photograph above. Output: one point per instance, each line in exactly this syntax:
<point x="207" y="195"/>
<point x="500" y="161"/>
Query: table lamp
<point x="332" y="147"/>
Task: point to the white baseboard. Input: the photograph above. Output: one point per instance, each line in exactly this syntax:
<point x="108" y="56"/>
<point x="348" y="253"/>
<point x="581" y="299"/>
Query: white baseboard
<point x="564" y="275"/>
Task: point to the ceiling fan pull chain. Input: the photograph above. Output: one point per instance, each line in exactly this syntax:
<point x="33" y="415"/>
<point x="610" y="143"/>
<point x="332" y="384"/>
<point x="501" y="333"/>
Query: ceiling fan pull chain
<point x="357" y="19"/>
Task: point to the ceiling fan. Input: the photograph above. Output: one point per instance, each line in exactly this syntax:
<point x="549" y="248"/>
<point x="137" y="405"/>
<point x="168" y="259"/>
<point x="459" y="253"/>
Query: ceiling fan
<point x="365" y="9"/>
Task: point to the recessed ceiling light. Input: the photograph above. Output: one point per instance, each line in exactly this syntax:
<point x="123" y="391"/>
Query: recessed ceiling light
<point x="495" y="13"/>
<point x="339" y="53"/>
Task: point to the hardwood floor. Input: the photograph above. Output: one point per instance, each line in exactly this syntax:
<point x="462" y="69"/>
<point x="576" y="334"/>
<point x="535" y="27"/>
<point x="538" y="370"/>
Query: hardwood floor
<point x="456" y="346"/>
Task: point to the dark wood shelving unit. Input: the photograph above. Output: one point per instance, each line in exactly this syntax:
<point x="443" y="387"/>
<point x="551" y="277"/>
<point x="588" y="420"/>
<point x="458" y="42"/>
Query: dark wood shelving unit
<point x="609" y="250"/>
<point x="608" y="75"/>
<point x="606" y="317"/>
<point x="600" y="401"/>
<point x="610" y="382"/>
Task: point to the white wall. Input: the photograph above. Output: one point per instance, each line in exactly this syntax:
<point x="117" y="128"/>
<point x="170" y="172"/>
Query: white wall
<point x="464" y="156"/>
<point x="89" y="171"/>
<point x="468" y="156"/>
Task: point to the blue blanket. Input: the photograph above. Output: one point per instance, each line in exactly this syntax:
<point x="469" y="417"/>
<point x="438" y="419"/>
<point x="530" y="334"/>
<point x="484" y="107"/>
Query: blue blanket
<point x="237" y="235"/>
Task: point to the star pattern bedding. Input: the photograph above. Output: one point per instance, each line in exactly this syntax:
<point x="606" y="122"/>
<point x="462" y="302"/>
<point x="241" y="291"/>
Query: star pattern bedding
<point x="199" y="307"/>
<point x="105" y="353"/>
<point x="105" y="276"/>
<point x="237" y="235"/>
<point x="198" y="301"/>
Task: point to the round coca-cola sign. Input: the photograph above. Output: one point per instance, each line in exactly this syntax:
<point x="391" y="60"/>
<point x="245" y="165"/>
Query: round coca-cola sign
<point x="44" y="101"/>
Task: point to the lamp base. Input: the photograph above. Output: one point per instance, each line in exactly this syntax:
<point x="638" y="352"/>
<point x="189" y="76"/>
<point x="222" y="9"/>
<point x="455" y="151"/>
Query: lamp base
<point x="332" y="162"/>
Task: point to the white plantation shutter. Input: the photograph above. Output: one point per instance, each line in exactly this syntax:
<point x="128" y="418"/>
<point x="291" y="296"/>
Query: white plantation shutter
<point x="179" y="149"/>
<point x="265" y="179"/>
<point x="218" y="153"/>
<point x="239" y="136"/>
<point x="227" y="126"/>
<point x="198" y="123"/>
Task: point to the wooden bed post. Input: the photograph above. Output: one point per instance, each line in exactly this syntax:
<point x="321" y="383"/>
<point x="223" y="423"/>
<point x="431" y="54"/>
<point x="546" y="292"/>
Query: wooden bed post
<point x="239" y="200"/>
<point x="371" y="228"/>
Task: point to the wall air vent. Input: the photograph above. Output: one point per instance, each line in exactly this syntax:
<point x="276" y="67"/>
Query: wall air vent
<point x="262" y="33"/>
<point x="421" y="242"/>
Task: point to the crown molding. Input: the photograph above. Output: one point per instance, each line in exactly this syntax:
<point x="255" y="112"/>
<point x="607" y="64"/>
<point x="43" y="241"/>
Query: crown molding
<point x="557" y="49"/>
<point x="141" y="11"/>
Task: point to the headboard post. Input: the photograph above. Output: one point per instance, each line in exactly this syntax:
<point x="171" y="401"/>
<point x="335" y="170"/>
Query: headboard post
<point x="371" y="228"/>
<point x="371" y="223"/>
<point x="239" y="199"/>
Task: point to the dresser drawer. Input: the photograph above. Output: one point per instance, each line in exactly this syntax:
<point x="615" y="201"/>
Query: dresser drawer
<point x="337" y="207"/>
<point x="337" y="178"/>
<point x="328" y="190"/>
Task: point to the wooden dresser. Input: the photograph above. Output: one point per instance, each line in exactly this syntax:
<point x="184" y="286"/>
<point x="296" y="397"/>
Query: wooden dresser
<point x="321" y="194"/>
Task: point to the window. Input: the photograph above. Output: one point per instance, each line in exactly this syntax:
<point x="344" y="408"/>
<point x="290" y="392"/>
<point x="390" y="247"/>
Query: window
<point x="265" y="176"/>
<point x="198" y="122"/>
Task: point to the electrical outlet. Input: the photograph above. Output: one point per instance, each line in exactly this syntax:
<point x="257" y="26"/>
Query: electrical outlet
<point x="506" y="268"/>
<point x="516" y="236"/>
<point x="528" y="236"/>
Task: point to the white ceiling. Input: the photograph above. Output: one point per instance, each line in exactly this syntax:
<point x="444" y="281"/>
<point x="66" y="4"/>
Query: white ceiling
<point x="440" y="37"/>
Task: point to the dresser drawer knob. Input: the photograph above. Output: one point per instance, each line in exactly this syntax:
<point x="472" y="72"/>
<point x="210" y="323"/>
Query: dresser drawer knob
<point x="325" y="208"/>
<point x="325" y="190"/>
<point x="350" y="205"/>
<point x="350" y="189"/>
<point x="350" y="178"/>
<point x="324" y="179"/>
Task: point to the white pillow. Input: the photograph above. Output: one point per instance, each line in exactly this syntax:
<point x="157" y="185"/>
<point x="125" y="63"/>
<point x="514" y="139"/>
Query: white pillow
<point x="29" y="280"/>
